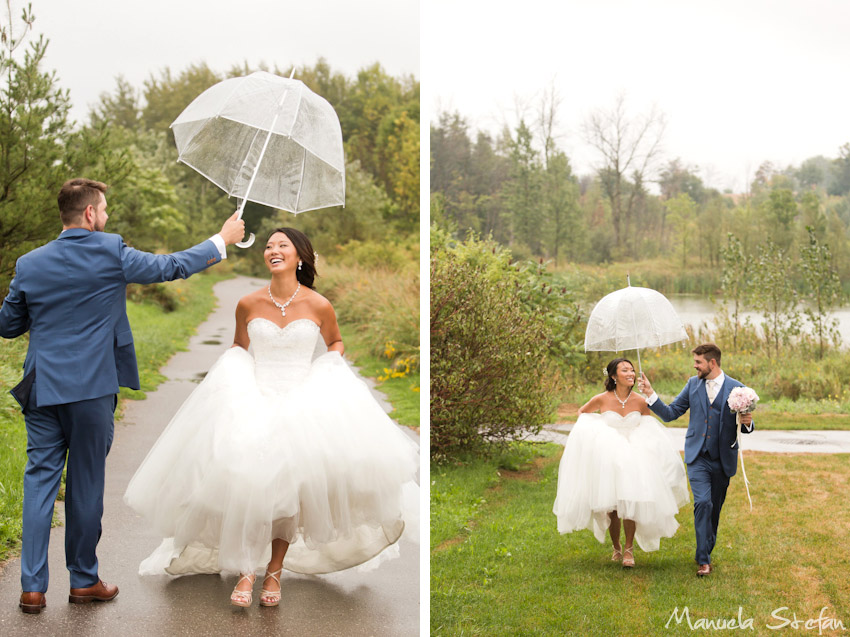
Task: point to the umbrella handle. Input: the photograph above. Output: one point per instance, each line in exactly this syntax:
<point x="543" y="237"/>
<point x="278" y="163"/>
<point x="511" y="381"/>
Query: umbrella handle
<point x="246" y="244"/>
<point x="250" y="240"/>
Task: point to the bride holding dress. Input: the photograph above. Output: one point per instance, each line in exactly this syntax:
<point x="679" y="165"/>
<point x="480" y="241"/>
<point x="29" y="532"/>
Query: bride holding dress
<point x="619" y="466"/>
<point x="279" y="458"/>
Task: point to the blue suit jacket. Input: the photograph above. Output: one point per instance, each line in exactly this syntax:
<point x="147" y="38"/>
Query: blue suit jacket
<point x="71" y="296"/>
<point x="695" y="398"/>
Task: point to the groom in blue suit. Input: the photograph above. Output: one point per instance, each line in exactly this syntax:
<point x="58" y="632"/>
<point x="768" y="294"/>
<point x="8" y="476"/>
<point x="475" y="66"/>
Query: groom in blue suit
<point x="70" y="294"/>
<point x="711" y="448"/>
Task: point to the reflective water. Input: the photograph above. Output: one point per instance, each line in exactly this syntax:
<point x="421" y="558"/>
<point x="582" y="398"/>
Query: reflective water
<point x="697" y="310"/>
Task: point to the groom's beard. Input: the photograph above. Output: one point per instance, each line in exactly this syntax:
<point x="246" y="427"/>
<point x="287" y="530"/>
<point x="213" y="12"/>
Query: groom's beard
<point x="702" y="375"/>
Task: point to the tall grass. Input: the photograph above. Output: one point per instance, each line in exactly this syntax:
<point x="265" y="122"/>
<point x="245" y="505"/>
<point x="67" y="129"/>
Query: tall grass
<point x="659" y="274"/>
<point x="158" y="334"/>
<point x="375" y="291"/>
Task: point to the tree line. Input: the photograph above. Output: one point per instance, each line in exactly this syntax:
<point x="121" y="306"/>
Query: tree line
<point x="520" y="188"/>
<point x="158" y="204"/>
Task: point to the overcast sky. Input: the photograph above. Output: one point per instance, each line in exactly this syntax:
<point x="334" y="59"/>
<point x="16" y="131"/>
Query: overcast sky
<point x="93" y="41"/>
<point x="741" y="81"/>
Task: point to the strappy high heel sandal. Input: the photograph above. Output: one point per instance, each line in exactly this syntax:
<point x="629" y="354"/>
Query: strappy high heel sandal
<point x="243" y="598"/>
<point x="617" y="556"/>
<point x="271" y="598"/>
<point x="629" y="558"/>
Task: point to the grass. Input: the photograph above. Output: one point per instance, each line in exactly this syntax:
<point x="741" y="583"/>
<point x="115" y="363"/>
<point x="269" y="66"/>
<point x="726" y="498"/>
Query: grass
<point x="499" y="566"/>
<point x="157" y="336"/>
<point x="402" y="392"/>
<point x="13" y="446"/>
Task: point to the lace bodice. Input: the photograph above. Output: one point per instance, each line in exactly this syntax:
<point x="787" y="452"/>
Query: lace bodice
<point x="282" y="355"/>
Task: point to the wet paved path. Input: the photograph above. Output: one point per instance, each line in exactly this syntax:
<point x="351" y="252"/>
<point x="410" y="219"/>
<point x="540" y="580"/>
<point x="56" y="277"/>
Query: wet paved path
<point x="382" y="602"/>
<point x="774" y="441"/>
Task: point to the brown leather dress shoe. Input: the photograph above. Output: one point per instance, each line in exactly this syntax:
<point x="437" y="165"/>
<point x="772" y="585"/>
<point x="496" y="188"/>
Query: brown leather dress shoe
<point x="32" y="602"/>
<point x="704" y="569"/>
<point x="100" y="592"/>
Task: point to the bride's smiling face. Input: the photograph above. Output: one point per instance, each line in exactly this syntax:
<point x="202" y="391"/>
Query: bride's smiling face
<point x="625" y="374"/>
<point x="280" y="255"/>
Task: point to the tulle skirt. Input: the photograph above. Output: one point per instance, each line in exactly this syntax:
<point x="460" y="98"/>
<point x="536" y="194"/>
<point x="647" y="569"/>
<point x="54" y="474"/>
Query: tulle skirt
<point x="319" y="465"/>
<point x="627" y="465"/>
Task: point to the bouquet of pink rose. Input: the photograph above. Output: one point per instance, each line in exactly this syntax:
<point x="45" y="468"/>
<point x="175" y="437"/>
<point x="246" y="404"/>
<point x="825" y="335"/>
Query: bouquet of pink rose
<point x="742" y="400"/>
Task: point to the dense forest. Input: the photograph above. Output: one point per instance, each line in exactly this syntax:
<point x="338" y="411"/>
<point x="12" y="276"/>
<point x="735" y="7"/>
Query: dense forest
<point x="158" y="204"/>
<point x="521" y="189"/>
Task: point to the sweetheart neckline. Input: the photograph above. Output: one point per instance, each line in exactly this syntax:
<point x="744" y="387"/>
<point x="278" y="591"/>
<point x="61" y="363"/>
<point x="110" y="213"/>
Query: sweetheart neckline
<point x="616" y="413"/>
<point x="281" y="328"/>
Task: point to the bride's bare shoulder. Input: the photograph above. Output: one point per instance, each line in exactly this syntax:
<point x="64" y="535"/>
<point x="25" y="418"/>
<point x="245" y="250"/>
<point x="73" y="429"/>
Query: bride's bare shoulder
<point x="594" y="404"/>
<point x="249" y="302"/>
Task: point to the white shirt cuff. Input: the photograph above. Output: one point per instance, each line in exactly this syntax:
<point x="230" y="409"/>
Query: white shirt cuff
<point x="651" y="399"/>
<point x="219" y="243"/>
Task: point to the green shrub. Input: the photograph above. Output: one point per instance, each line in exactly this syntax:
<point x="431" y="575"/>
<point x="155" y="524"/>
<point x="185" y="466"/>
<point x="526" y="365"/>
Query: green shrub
<point x="491" y="377"/>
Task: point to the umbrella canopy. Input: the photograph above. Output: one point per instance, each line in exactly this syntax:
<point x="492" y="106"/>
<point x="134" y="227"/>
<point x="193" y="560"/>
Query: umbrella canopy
<point x="266" y="139"/>
<point x="632" y="318"/>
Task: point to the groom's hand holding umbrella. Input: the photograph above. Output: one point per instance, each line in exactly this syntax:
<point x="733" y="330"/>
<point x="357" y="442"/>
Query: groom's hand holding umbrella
<point x="233" y="229"/>
<point x="644" y="386"/>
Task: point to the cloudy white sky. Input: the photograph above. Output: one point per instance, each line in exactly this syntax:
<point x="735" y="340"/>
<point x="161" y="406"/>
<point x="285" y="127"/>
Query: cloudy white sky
<point x="93" y="41"/>
<point x="741" y="81"/>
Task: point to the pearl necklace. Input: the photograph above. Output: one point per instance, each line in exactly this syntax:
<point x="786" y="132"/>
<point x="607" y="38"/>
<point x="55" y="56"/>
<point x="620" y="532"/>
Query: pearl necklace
<point x="622" y="402"/>
<point x="283" y="307"/>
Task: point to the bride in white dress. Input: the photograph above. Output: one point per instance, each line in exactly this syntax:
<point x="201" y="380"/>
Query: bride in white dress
<point x="279" y="458"/>
<point x="619" y="465"/>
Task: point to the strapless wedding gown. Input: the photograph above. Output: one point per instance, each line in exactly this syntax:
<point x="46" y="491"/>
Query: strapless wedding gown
<point x="625" y="464"/>
<point x="277" y="445"/>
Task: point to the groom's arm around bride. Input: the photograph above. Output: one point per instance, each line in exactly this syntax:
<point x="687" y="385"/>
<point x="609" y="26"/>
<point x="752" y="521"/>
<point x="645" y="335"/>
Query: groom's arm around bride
<point x="70" y="294"/>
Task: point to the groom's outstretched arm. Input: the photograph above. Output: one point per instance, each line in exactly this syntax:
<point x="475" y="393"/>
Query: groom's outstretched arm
<point x="679" y="406"/>
<point x="143" y="267"/>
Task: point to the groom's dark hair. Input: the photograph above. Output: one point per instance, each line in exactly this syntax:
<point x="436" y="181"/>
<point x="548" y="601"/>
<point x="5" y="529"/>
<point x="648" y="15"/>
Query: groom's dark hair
<point x="75" y="195"/>
<point x="708" y="351"/>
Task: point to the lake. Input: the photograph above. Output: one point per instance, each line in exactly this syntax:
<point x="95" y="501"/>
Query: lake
<point x="696" y="310"/>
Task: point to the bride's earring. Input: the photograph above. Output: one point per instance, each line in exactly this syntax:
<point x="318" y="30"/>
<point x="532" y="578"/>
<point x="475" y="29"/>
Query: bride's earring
<point x="615" y="380"/>
<point x="299" y="264"/>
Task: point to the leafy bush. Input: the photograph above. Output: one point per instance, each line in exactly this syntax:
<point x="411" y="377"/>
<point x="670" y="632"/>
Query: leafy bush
<point x="491" y="376"/>
<point x="542" y="293"/>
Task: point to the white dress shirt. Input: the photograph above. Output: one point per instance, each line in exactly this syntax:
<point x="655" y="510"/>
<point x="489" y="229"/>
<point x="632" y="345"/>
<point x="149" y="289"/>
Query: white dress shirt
<point x="712" y="386"/>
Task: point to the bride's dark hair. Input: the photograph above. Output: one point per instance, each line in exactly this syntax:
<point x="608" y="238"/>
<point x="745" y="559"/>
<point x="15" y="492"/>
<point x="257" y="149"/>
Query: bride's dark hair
<point x="612" y="371"/>
<point x="302" y="244"/>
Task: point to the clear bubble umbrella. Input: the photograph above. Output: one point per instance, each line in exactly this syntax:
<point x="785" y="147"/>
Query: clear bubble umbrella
<point x="266" y="139"/>
<point x="632" y="318"/>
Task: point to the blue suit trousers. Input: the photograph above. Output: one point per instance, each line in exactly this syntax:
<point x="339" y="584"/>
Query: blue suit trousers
<point x="708" y="484"/>
<point x="83" y="432"/>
